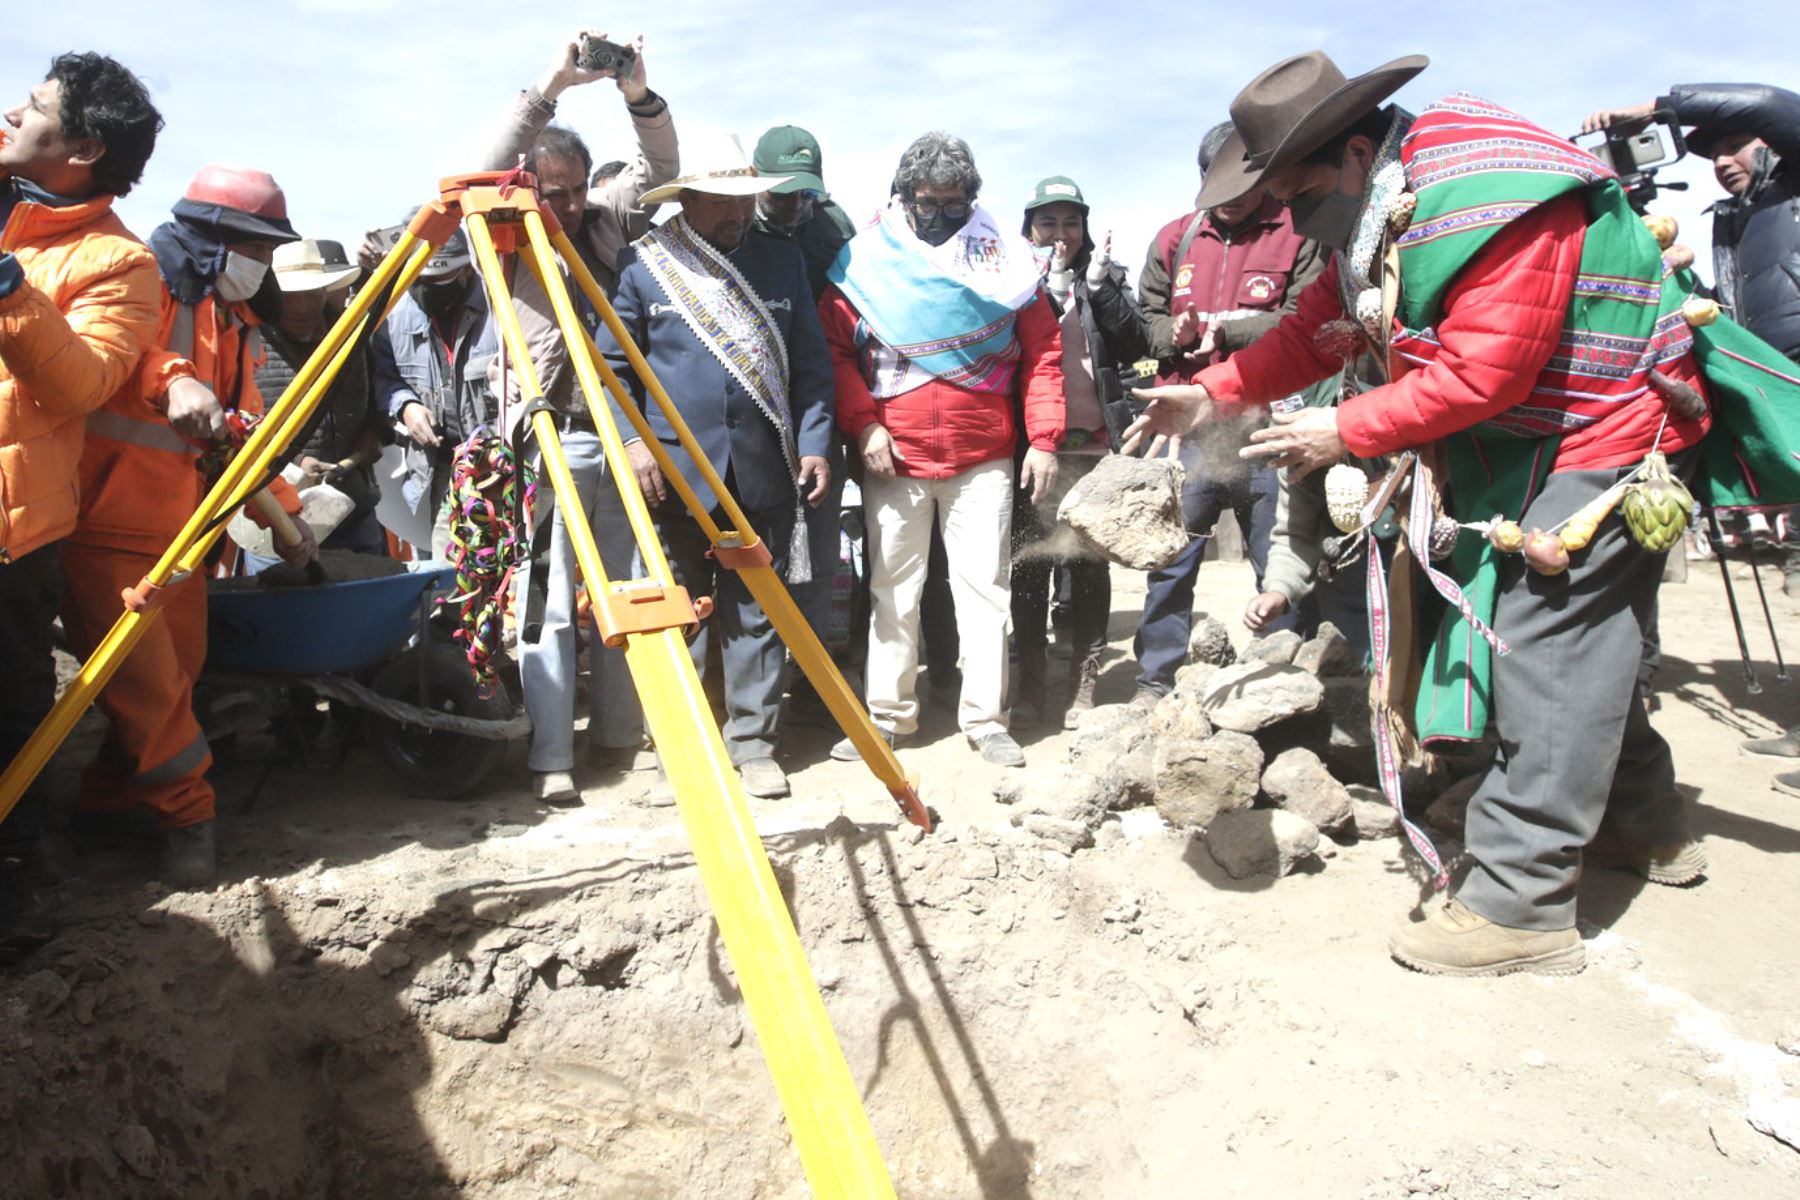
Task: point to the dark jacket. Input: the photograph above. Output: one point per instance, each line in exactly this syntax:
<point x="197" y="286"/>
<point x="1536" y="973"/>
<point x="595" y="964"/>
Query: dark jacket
<point x="740" y="442"/>
<point x="1756" y="236"/>
<point x="819" y="240"/>
<point x="347" y="411"/>
<point x="1115" y="331"/>
<point x="410" y="366"/>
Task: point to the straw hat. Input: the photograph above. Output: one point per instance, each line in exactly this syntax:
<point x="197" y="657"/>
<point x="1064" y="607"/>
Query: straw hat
<point x="313" y="265"/>
<point x="719" y="166"/>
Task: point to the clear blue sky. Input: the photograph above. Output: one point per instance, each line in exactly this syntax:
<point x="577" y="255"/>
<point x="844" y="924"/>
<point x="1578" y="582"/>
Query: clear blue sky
<point x="358" y="107"/>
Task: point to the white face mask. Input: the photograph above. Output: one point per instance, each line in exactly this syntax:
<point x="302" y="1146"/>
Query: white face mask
<point x="241" y="277"/>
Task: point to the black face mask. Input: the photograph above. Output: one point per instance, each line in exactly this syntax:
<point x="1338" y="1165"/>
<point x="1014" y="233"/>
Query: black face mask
<point x="939" y="228"/>
<point x="440" y="297"/>
<point x="1328" y="218"/>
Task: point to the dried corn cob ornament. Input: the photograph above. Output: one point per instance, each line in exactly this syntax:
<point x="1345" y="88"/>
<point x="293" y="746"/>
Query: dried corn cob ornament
<point x="1346" y="489"/>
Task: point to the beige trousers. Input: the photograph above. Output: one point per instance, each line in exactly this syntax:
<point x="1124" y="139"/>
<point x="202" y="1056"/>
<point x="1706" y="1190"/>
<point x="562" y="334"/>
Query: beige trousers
<point x="974" y="511"/>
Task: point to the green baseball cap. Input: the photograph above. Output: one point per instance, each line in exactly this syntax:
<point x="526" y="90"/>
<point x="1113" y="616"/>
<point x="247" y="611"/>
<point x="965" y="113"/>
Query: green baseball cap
<point x="790" y="150"/>
<point x="1058" y="189"/>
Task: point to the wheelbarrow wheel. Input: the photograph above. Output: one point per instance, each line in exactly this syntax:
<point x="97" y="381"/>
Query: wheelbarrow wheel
<point x="431" y="764"/>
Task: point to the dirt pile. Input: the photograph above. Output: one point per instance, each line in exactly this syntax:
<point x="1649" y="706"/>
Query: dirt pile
<point x="577" y="1033"/>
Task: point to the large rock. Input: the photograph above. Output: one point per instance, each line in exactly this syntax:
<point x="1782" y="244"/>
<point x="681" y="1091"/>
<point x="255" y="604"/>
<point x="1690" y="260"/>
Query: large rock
<point x="1329" y="653"/>
<point x="1128" y="511"/>
<point x="1130" y="779"/>
<point x="1371" y="813"/>
<point x="1299" y="782"/>
<point x="1105" y="729"/>
<point x="1278" y="647"/>
<point x="1210" y="642"/>
<point x="1261" y="841"/>
<point x="1198" y="780"/>
<point x="1252" y="696"/>
<point x="1347" y="707"/>
<point x="1181" y="717"/>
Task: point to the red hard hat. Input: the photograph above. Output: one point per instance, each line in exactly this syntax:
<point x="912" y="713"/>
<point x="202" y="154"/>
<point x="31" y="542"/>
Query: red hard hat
<point x="240" y="188"/>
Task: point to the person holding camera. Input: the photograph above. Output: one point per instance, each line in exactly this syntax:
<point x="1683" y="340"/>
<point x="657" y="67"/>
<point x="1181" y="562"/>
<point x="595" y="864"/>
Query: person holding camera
<point x="78" y="311"/>
<point x="1751" y="132"/>
<point x="1215" y="281"/>
<point x="601" y="221"/>
<point x="1101" y="329"/>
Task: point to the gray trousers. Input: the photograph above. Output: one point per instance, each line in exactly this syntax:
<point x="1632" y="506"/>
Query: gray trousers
<point x="547" y="666"/>
<point x="754" y="658"/>
<point x="1575" y="745"/>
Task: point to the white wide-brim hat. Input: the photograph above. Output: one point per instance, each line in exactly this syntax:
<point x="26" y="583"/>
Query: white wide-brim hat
<point x="313" y="264"/>
<point x="717" y="165"/>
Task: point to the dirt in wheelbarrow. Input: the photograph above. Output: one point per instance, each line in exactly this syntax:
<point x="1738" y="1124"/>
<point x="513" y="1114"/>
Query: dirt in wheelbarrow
<point x="339" y="566"/>
<point x="404" y="998"/>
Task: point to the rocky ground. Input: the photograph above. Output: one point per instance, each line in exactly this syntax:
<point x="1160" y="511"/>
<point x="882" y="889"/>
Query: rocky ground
<point x="1060" y="994"/>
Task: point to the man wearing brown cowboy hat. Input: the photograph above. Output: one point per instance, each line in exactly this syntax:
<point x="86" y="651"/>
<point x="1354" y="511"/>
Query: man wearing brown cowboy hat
<point x="1512" y="296"/>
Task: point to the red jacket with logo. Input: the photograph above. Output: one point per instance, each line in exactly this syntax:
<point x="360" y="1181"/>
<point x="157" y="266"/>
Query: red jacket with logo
<point x="1238" y="281"/>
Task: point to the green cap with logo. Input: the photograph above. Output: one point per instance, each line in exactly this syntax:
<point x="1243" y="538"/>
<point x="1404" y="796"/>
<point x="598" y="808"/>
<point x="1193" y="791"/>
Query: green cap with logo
<point x="1058" y="189"/>
<point x="790" y="150"/>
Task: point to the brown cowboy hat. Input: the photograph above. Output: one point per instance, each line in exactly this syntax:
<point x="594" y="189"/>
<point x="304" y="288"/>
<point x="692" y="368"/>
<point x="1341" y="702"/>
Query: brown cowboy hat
<point x="1292" y="109"/>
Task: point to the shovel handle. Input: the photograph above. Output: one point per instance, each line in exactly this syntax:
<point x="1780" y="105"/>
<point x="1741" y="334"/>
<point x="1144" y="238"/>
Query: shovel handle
<point x="280" y="524"/>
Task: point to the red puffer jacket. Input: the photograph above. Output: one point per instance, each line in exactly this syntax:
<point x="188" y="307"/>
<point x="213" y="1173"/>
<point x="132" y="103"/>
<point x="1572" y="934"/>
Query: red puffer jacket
<point x="940" y="430"/>
<point x="1503" y="318"/>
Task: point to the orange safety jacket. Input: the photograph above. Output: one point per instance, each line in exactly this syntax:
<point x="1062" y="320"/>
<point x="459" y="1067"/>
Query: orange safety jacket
<point x="72" y="337"/>
<point x="139" y="478"/>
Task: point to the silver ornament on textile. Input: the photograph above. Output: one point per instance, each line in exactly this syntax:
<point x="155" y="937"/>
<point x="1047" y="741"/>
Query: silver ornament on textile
<point x="1444" y="533"/>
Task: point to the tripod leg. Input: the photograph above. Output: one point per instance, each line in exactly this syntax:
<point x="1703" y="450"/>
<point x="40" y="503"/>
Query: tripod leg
<point x="740" y="550"/>
<point x="825" y="1114"/>
<point x="1737" y="621"/>
<point x="1781" y="672"/>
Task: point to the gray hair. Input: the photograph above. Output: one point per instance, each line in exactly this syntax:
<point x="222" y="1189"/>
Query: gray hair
<point x="937" y="160"/>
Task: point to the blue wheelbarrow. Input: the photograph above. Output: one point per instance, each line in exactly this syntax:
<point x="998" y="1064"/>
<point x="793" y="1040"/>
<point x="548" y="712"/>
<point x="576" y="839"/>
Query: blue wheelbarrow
<point x="370" y="644"/>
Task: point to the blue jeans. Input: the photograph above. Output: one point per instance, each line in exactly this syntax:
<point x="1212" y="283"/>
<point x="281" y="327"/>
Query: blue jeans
<point x="1162" y="637"/>
<point x="751" y="652"/>
<point x="547" y="666"/>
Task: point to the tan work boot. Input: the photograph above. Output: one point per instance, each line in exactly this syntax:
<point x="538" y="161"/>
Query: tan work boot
<point x="1087" y="677"/>
<point x="1451" y="940"/>
<point x="1028" y="692"/>
<point x="1674" y="865"/>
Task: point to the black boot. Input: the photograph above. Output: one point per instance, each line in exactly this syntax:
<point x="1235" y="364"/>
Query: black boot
<point x="1086" y="676"/>
<point x="1028" y="691"/>
<point x="190" y="860"/>
<point x="25" y="922"/>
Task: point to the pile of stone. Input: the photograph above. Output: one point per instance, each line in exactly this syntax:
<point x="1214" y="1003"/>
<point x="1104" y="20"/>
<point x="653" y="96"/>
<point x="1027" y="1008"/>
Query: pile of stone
<point x="1263" y="754"/>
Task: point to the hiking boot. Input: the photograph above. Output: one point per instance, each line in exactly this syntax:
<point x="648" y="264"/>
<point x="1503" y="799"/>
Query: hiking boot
<point x="846" y="751"/>
<point x="1451" y="940"/>
<point x="555" y="788"/>
<point x="999" y="749"/>
<point x="1144" y="702"/>
<point x="1087" y="678"/>
<point x="25" y="922"/>
<point x="1785" y="746"/>
<point x="764" y="778"/>
<point x="1787" y="782"/>
<point x="190" y="861"/>
<point x="1028" y="690"/>
<point x="1674" y="865"/>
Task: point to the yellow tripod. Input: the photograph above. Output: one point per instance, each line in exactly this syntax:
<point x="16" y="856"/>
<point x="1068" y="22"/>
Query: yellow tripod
<point x="647" y="617"/>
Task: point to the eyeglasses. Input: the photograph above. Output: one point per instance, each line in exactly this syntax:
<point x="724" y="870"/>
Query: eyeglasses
<point x="925" y="210"/>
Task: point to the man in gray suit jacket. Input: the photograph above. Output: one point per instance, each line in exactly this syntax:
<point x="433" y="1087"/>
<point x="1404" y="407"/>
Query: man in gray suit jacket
<point x="725" y="318"/>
